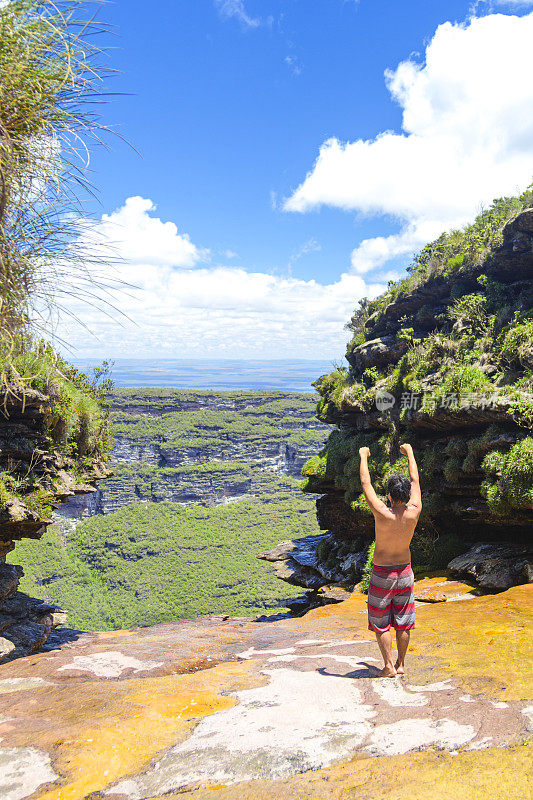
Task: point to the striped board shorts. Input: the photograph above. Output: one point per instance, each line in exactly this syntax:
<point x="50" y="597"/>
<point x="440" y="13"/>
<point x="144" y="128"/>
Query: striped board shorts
<point x="391" y="598"/>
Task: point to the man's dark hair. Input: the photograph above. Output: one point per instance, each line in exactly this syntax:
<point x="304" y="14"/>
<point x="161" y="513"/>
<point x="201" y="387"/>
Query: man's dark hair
<point x="399" y="488"/>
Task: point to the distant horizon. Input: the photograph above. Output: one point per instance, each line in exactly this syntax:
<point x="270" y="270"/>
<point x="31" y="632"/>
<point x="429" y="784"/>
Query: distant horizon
<point x="201" y="358"/>
<point x="213" y="374"/>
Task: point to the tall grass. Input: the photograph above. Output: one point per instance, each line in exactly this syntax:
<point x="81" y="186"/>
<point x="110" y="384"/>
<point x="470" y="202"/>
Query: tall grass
<point x="51" y="83"/>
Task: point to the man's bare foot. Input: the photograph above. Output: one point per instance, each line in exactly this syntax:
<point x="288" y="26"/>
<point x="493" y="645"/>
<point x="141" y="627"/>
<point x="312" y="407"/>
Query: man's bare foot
<point x="387" y="672"/>
<point x="399" y="668"/>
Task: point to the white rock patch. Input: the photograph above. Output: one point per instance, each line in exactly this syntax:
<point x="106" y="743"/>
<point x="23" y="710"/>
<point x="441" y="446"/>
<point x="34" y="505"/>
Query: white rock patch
<point x="396" y="738"/>
<point x="22" y="771"/>
<point x="333" y="642"/>
<point x="252" y="652"/>
<point x="481" y="744"/>
<point x="499" y="704"/>
<point x="19" y="684"/>
<point x="109" y="665"/>
<point x="348" y="641"/>
<point x="298" y="721"/>
<point x="440" y="686"/>
<point x="466" y="698"/>
<point x="393" y="693"/>
<point x="313" y="641"/>
<point x="351" y="661"/>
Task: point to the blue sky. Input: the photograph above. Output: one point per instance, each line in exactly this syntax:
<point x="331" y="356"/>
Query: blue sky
<point x="230" y="103"/>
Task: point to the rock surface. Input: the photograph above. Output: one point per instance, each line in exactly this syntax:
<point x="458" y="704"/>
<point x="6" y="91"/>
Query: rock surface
<point x="495" y="566"/>
<point x="299" y="562"/>
<point x="230" y="709"/>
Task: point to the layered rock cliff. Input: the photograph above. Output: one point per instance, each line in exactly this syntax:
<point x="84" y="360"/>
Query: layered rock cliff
<point x="199" y="447"/>
<point x="444" y="361"/>
<point x="38" y="471"/>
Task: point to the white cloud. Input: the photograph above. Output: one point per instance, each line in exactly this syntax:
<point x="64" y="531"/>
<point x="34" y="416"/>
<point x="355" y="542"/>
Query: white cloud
<point x="137" y="237"/>
<point x="177" y="311"/>
<point x="467" y="137"/>
<point x="235" y="8"/>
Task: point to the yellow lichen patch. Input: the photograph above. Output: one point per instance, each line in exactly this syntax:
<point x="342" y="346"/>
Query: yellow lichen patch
<point x="486" y="641"/>
<point x="159" y="714"/>
<point x="349" y="615"/>
<point x="113" y="634"/>
<point x="497" y="773"/>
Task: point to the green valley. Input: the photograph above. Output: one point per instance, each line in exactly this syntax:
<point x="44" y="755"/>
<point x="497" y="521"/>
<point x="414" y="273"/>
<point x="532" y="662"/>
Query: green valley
<point x="202" y="482"/>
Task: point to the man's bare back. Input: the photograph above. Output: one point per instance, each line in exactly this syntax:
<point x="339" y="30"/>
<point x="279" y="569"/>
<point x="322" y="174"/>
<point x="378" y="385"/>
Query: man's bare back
<point x="396" y="525"/>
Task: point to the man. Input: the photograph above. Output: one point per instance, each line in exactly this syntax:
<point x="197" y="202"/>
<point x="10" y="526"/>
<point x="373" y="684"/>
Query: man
<point x="391" y="593"/>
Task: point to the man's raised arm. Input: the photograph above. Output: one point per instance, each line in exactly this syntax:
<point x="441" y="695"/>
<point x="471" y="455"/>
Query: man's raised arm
<point x="416" y="494"/>
<point x="377" y="506"/>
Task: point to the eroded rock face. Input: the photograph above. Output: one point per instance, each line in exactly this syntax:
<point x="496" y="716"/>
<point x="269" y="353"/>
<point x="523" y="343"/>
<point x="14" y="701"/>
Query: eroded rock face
<point x="241" y="710"/>
<point x="299" y="562"/>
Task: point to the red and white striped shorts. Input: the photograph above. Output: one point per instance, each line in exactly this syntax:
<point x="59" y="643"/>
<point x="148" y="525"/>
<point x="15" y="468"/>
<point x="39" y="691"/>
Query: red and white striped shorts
<point x="391" y="598"/>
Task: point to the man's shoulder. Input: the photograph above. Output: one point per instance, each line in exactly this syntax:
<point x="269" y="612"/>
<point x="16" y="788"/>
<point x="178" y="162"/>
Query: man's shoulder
<point x="384" y="512"/>
<point x="414" y="509"/>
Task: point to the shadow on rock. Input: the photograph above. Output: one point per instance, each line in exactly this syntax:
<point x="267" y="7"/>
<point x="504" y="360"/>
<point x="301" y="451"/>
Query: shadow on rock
<point x="371" y="671"/>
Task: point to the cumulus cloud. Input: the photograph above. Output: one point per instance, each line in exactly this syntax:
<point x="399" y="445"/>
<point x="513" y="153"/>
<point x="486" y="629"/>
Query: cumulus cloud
<point x="236" y="9"/>
<point x="467" y="137"/>
<point x="137" y="237"/>
<point x="176" y="310"/>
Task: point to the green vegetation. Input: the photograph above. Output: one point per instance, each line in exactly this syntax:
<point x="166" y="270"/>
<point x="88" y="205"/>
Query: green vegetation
<point x="74" y="422"/>
<point x="367" y="569"/>
<point x="451" y="256"/>
<point x="258" y="417"/>
<point x="50" y="80"/>
<point x="155" y="562"/>
<point x="509" y="482"/>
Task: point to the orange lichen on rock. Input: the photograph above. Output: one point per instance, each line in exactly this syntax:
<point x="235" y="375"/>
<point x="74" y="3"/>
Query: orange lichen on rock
<point x="290" y="709"/>
<point x="486" y="641"/>
<point x="159" y="713"/>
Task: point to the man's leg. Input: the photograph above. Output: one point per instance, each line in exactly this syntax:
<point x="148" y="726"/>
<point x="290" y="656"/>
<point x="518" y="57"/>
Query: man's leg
<point x="402" y="643"/>
<point x="385" y="645"/>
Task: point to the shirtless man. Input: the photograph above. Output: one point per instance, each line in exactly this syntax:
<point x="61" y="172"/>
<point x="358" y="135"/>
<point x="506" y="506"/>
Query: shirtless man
<point x="390" y="593"/>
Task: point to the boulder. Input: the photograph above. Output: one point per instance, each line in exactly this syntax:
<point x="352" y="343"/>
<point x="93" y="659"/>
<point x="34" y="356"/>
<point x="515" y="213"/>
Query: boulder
<point x="495" y="566"/>
<point x="6" y="648"/>
<point x="377" y="352"/>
